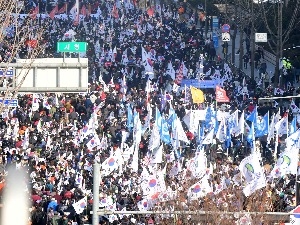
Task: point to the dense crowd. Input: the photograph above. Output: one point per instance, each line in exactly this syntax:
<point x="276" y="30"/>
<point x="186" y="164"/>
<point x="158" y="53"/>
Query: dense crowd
<point x="59" y="136"/>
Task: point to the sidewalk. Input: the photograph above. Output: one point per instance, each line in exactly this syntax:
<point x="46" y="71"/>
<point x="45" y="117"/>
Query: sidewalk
<point x="270" y="67"/>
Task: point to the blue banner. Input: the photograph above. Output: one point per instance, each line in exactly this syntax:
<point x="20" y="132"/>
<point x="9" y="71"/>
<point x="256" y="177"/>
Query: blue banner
<point x="6" y="72"/>
<point x="199" y="83"/>
<point x="9" y="102"/>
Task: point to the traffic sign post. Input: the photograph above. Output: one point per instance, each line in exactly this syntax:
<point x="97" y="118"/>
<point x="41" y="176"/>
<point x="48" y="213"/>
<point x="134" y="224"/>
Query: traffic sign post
<point x="78" y="47"/>
<point x="225" y="28"/>
<point x="225" y="37"/>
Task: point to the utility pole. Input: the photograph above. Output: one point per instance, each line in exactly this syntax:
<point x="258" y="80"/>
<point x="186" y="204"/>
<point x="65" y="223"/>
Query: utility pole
<point x="96" y="183"/>
<point x="252" y="41"/>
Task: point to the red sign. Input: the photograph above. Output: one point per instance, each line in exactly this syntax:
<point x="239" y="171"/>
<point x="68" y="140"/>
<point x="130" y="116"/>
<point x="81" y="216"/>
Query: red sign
<point x="221" y="95"/>
<point x="225" y="28"/>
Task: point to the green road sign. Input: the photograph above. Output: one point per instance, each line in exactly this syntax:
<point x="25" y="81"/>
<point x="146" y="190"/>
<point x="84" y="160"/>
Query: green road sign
<point x="71" y="46"/>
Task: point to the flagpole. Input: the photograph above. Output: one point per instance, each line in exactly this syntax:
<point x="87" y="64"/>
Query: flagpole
<point x="276" y="146"/>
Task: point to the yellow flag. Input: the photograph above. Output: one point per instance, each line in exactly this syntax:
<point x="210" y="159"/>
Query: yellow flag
<point x="197" y="95"/>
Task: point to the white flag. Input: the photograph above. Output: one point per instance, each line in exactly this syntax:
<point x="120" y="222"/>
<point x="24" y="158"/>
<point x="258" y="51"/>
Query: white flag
<point x="154" y="141"/>
<point x="181" y="136"/>
<point x="294" y="107"/>
<point x="253" y="174"/>
<point x="271" y="130"/>
<point x="287" y="163"/>
<point x="147" y="62"/>
<point x="170" y="71"/>
<point x="200" y="189"/>
<point x="241" y="125"/>
<point x="221" y="133"/>
<point x="75" y="12"/>
<point x="282" y="126"/>
<point x="80" y="205"/>
<point x="157" y="156"/>
<point x="209" y="138"/>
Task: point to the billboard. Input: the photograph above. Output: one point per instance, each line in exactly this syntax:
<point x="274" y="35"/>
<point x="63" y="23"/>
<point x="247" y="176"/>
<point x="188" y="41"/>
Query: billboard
<point x="51" y="75"/>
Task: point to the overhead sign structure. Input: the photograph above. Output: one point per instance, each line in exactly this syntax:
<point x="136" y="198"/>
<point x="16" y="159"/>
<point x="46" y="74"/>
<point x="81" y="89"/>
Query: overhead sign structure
<point x="225" y="37"/>
<point x="12" y="103"/>
<point x="261" y="37"/>
<point x="225" y="28"/>
<point x="77" y="47"/>
<point x="7" y="72"/>
<point x="49" y="75"/>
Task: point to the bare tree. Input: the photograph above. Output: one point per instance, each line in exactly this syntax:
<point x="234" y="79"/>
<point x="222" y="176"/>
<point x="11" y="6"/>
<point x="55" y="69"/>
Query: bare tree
<point x="278" y="27"/>
<point x="21" y="37"/>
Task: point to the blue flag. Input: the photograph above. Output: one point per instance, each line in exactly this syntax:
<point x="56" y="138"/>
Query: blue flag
<point x="262" y="126"/>
<point x="163" y="128"/>
<point x="251" y="136"/>
<point x="200" y="133"/>
<point x="129" y="117"/>
<point x="252" y="117"/>
<point x="293" y="127"/>
<point x="228" y="137"/>
<point x="208" y="116"/>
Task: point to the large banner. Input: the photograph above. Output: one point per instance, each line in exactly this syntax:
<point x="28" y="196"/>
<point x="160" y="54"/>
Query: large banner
<point x="200" y="83"/>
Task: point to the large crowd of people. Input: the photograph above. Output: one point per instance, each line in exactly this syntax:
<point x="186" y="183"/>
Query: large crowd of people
<point x="138" y="63"/>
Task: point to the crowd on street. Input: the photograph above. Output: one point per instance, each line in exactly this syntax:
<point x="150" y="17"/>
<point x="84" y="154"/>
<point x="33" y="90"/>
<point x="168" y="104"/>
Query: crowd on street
<point x="162" y="144"/>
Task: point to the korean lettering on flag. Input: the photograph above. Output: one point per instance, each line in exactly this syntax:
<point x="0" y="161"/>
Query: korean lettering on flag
<point x="221" y="95"/>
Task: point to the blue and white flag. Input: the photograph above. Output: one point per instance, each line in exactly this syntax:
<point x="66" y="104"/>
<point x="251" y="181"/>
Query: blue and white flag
<point x="282" y="126"/>
<point x="241" y="125"/>
<point x="293" y="140"/>
<point x="129" y="117"/>
<point x="222" y="131"/>
<point x="251" y="137"/>
<point x="253" y="173"/>
<point x="293" y="126"/>
<point x="262" y="126"/>
<point x="163" y="128"/>
<point x="209" y="138"/>
<point x="252" y="117"/>
<point x="208" y="116"/>
<point x="232" y="121"/>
